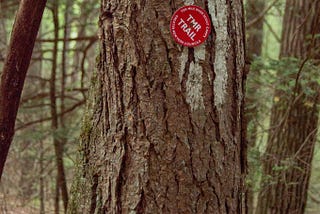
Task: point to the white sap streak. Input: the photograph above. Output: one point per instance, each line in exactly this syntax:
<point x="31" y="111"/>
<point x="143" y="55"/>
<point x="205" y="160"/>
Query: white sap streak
<point x="219" y="14"/>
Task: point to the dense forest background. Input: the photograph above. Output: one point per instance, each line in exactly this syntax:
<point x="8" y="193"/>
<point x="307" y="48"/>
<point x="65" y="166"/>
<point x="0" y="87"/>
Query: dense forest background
<point x="56" y="90"/>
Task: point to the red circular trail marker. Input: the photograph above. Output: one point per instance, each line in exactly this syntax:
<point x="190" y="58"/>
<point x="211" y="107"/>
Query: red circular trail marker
<point x="190" y="26"/>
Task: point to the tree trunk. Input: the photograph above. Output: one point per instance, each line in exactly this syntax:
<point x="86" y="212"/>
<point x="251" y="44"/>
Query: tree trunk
<point x="58" y="145"/>
<point x="23" y="37"/>
<point x="41" y="87"/>
<point x="64" y="63"/>
<point x="41" y="179"/>
<point x="253" y="49"/>
<point x="164" y="130"/>
<point x="294" y="117"/>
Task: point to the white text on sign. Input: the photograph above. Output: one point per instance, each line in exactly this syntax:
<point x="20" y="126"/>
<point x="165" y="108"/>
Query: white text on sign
<point x="185" y="26"/>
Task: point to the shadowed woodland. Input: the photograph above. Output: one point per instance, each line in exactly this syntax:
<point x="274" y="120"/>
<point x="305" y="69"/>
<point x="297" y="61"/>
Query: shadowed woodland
<point x="101" y="111"/>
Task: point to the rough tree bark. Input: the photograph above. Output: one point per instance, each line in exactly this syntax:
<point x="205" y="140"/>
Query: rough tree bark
<point x="294" y="118"/>
<point x="164" y="129"/>
<point x="24" y="33"/>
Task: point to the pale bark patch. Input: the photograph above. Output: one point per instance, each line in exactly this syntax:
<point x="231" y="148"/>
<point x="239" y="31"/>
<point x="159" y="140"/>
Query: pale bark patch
<point x="194" y="82"/>
<point x="219" y="14"/>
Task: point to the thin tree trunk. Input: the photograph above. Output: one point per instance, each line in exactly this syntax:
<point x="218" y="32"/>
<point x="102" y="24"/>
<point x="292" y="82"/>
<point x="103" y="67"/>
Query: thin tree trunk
<point x="22" y="41"/>
<point x="253" y="49"/>
<point x="58" y="146"/>
<point x="164" y="129"/>
<point x="64" y="66"/>
<point x="294" y="118"/>
<point x="41" y="179"/>
<point x="57" y="196"/>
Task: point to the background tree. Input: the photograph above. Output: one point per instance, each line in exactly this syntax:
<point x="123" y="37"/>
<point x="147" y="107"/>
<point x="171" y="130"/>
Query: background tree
<point x="294" y="119"/>
<point x="15" y="68"/>
<point x="61" y="184"/>
<point x="164" y="129"/>
<point x="254" y="30"/>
